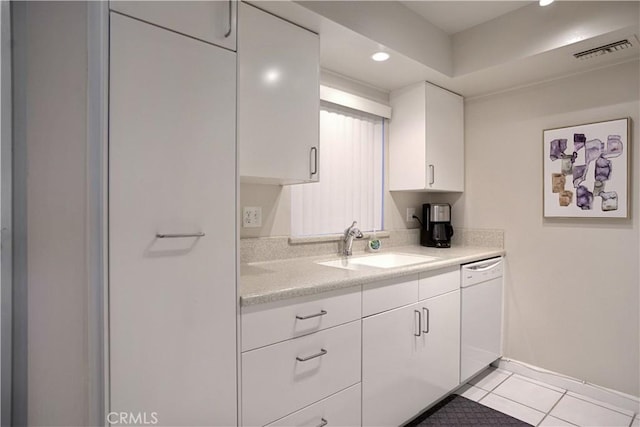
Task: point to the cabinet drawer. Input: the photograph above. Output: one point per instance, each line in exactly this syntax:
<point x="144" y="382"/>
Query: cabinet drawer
<point x="438" y="282"/>
<point x="341" y="409"/>
<point x="269" y="323"/>
<point x="282" y="378"/>
<point x="389" y="294"/>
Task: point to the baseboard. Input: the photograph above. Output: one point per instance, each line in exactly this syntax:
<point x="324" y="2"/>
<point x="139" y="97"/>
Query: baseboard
<point x="603" y="394"/>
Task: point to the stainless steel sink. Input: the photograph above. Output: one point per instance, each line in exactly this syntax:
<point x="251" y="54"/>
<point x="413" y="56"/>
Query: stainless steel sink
<point x="388" y="260"/>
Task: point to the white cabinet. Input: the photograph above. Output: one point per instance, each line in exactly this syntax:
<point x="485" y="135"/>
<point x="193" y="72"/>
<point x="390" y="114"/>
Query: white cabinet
<point x="410" y="359"/>
<point x="284" y="377"/>
<point x="437" y="282"/>
<point x="297" y="354"/>
<point x="388" y="294"/>
<point x="210" y="21"/>
<point x="269" y="323"/>
<point x="278" y="99"/>
<point x="172" y="168"/>
<point x="340" y="409"/>
<point x="426" y="139"/>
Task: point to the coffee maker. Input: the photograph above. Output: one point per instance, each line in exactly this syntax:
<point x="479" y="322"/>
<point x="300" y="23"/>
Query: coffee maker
<point x="436" y="228"/>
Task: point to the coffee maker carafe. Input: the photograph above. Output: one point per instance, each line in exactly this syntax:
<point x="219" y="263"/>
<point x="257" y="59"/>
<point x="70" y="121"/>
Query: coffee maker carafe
<point x="436" y="228"/>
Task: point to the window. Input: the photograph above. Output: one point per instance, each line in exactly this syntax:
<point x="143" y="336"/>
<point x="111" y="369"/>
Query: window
<point x="351" y="176"/>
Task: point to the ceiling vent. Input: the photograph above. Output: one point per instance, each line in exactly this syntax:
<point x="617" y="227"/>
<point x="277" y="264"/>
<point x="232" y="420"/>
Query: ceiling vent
<point x="602" y="50"/>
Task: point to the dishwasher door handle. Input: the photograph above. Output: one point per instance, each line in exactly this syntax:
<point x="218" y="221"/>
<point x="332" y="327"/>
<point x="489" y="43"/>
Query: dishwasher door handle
<point x="482" y="267"/>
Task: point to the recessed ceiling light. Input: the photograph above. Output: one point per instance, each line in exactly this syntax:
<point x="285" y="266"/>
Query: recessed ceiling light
<point x="380" y="56"/>
<point x="545" y="2"/>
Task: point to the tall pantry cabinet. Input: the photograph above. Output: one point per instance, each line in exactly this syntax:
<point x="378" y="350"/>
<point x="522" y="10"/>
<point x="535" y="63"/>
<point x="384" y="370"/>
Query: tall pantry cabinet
<point x="172" y="225"/>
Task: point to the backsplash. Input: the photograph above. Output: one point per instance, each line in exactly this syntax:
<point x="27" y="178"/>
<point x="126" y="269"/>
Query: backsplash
<point x="489" y="238"/>
<point x="276" y="248"/>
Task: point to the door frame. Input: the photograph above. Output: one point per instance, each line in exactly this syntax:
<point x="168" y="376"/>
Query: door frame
<point x="6" y="288"/>
<point x="97" y="210"/>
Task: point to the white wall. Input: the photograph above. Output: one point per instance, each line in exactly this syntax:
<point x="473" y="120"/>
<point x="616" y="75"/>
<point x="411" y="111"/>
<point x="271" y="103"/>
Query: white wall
<point x="53" y="42"/>
<point x="578" y="318"/>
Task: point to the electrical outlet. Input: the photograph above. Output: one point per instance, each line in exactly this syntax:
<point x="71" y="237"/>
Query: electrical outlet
<point x="251" y="217"/>
<point x="410" y="213"/>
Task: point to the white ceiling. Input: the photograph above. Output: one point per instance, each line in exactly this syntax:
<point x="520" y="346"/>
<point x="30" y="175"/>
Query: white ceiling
<point x="346" y="52"/>
<point x="455" y="16"/>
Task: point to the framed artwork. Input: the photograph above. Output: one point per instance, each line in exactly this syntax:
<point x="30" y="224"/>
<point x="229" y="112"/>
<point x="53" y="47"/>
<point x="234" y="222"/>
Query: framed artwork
<point x="586" y="170"/>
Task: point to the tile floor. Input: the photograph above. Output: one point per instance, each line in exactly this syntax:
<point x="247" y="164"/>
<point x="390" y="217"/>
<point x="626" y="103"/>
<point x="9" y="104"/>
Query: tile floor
<point x="541" y="404"/>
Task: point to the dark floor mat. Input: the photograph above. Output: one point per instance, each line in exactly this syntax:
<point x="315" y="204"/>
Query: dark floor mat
<point x="458" y="411"/>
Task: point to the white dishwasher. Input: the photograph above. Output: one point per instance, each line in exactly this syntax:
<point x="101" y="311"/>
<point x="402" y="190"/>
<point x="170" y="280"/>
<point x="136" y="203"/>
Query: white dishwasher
<point x="481" y="311"/>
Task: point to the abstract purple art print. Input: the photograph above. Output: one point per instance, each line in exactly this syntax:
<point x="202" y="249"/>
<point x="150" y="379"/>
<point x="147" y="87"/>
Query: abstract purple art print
<point x="586" y="170"/>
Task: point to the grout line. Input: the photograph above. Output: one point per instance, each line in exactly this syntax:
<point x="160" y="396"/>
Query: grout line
<point x="527" y="370"/>
<point x="554" y="406"/>
<point x="543" y="418"/>
<point x="496" y="386"/>
<point x="541" y="383"/>
<point x="519" y="403"/>
<point x="576" y="396"/>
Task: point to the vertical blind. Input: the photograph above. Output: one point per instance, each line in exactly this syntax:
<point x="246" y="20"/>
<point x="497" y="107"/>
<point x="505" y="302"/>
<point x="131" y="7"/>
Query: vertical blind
<point x="351" y="176"/>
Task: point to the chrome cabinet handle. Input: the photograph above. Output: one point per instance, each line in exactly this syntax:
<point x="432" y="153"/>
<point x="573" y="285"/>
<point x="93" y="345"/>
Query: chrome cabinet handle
<point x="304" y="359"/>
<point x="228" y="33"/>
<point x="426" y="318"/>
<point x="311" y="316"/>
<point x="432" y="173"/>
<point x="323" y="422"/>
<point x="418" y="323"/>
<point x="313" y="160"/>
<point x="178" y="235"/>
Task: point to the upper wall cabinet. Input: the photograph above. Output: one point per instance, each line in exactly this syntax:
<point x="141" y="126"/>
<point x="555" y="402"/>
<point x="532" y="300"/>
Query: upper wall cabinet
<point x="209" y="21"/>
<point x="278" y="99"/>
<point x="426" y="139"/>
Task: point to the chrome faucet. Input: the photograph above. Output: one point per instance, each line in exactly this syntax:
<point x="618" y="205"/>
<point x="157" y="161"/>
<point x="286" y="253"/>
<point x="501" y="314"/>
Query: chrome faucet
<point x="349" y="234"/>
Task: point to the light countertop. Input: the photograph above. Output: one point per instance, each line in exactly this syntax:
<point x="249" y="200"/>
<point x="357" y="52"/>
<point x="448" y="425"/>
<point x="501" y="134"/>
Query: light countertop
<point x="262" y="282"/>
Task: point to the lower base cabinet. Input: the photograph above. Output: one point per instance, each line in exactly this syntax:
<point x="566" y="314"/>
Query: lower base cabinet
<point x="279" y="379"/>
<point x="410" y="359"/>
<point x="340" y="409"/>
<point x="372" y="356"/>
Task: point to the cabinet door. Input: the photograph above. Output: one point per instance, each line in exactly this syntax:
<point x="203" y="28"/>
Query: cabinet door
<point x="445" y="139"/>
<point x="441" y="344"/>
<point x="407" y="139"/>
<point x="172" y="301"/>
<point x="210" y="21"/>
<point x="278" y="92"/>
<point x="410" y="359"/>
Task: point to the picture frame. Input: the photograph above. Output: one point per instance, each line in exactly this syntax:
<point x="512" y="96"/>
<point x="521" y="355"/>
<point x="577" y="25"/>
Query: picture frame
<point x="586" y="170"/>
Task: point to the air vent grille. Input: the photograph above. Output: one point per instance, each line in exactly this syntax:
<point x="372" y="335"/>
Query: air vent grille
<point x="602" y="50"/>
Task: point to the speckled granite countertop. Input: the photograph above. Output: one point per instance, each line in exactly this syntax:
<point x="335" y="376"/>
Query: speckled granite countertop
<point x="262" y="282"/>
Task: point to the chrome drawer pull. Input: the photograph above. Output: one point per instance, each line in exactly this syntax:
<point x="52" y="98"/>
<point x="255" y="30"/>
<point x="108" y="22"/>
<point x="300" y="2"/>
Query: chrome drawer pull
<point x="304" y="359"/>
<point x="323" y="422"/>
<point x="311" y="316"/>
<point x="178" y="235"/>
